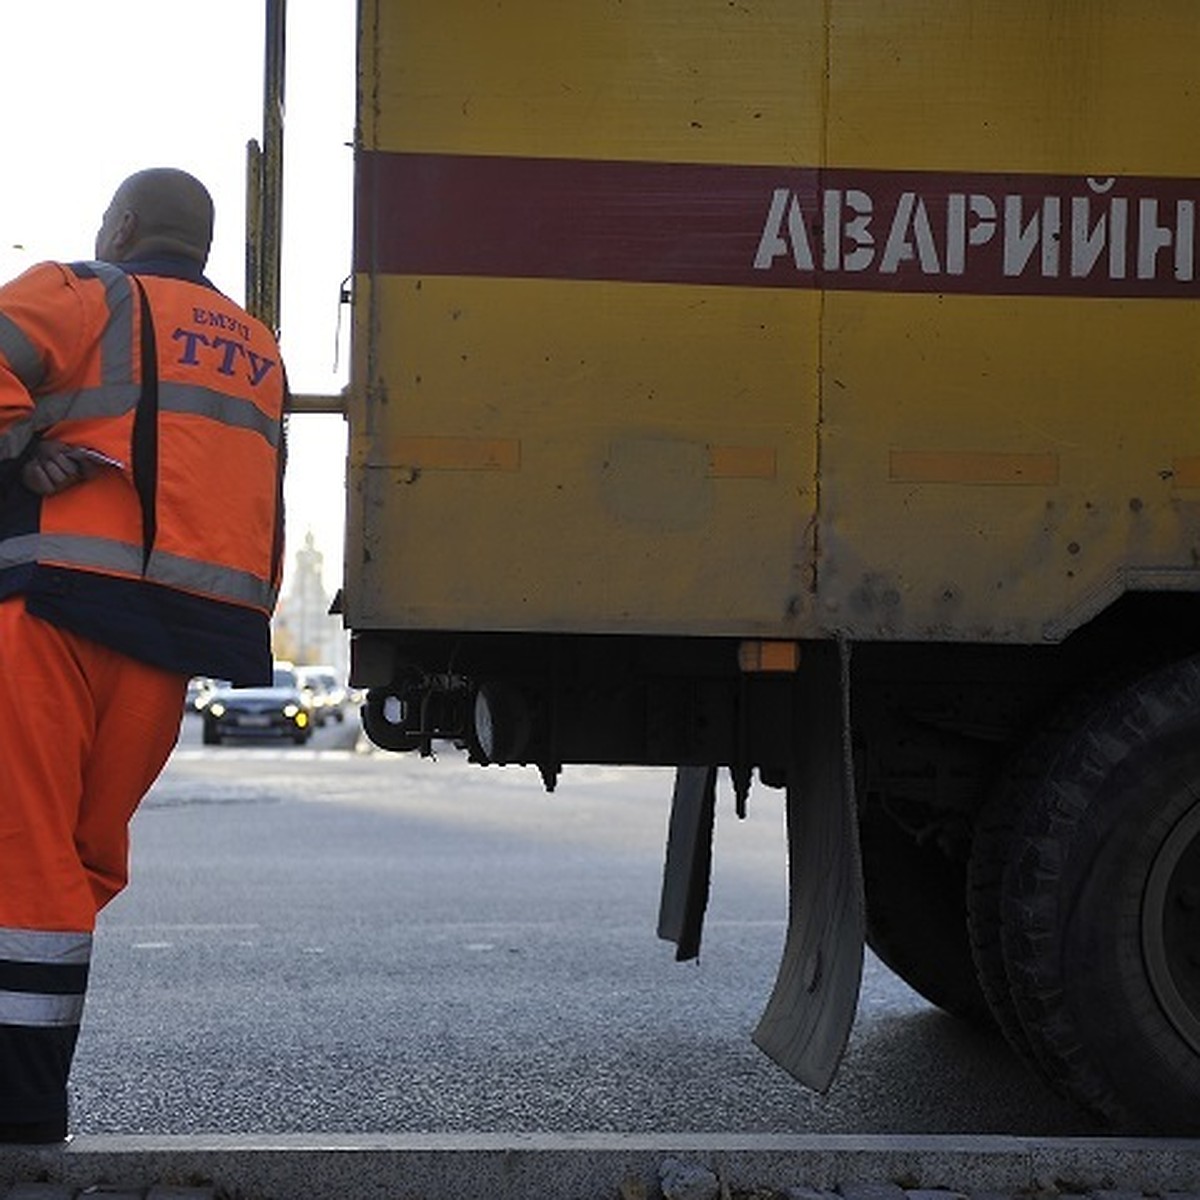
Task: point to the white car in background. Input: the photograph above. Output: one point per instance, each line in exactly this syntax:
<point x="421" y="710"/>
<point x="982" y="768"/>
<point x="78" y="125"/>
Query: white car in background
<point x="200" y="690"/>
<point x="328" y="694"/>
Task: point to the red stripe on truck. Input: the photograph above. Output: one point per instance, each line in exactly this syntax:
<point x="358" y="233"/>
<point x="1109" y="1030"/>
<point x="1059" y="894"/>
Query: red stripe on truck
<point x="764" y="226"/>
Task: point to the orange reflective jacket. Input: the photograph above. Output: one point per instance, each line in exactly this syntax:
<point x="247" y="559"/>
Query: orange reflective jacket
<point x="174" y="554"/>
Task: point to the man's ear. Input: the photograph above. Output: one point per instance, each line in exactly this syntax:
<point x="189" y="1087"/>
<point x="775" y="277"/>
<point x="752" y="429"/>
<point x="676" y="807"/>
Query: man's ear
<point x="126" y="230"/>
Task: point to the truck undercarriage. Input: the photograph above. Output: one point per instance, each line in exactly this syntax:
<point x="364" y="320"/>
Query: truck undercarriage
<point x="985" y="853"/>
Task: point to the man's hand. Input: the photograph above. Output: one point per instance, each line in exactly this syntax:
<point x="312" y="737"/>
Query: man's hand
<point x="54" y="467"/>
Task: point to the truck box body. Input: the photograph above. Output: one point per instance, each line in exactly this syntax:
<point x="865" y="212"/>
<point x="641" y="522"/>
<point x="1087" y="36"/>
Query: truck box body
<point x="812" y="388"/>
<point x="774" y="319"/>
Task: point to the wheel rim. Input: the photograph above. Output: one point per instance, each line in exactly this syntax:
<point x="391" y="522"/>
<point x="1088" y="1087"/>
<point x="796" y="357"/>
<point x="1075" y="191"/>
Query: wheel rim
<point x="1171" y="927"/>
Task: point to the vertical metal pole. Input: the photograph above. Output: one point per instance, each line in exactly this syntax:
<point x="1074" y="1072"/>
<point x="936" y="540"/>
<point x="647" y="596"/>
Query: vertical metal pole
<point x="264" y="180"/>
<point x="253" y="227"/>
<point x="272" y="192"/>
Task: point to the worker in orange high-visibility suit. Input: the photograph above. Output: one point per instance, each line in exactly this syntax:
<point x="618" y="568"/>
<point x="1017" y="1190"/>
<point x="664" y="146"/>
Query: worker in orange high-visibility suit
<point x="141" y="466"/>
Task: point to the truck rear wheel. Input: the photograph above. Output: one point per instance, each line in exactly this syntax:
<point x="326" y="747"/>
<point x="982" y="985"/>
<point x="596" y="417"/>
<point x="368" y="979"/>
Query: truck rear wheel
<point x="917" y="915"/>
<point x="1100" y="909"/>
<point x="992" y="841"/>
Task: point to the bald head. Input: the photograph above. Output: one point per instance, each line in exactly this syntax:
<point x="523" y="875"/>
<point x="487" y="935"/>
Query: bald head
<point x="159" y="211"/>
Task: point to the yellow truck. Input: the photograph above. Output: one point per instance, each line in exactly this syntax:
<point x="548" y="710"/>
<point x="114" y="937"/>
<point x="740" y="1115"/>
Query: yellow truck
<point x="810" y="390"/>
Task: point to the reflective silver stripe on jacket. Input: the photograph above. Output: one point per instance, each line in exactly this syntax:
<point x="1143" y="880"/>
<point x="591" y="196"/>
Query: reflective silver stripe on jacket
<point x="48" y="411"/>
<point x="42" y="1010"/>
<point x="218" y="406"/>
<point x="22" y="355"/>
<point x="224" y="583"/>
<point x="124" y="558"/>
<point x="89" y="402"/>
<point x="116" y="342"/>
<point x="117" y="399"/>
<point x="16" y="439"/>
<point x="47" y="947"/>
<point x="113" y="400"/>
<point x="75" y="549"/>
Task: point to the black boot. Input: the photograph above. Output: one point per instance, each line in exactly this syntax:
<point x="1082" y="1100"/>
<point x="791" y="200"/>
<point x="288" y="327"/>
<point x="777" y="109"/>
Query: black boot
<point x="34" y="1133"/>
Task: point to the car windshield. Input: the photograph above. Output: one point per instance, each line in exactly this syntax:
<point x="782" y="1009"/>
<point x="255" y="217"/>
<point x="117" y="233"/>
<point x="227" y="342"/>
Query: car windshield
<point x="285" y="677"/>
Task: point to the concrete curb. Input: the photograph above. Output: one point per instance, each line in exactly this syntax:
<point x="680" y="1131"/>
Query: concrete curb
<point x="601" y="1166"/>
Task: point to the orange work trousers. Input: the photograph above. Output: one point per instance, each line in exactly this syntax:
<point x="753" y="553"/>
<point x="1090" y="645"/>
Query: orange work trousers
<point x="84" y="732"/>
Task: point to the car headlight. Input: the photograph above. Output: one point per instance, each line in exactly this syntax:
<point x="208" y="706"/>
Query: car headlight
<point x="290" y="711"/>
<point x="217" y="708"/>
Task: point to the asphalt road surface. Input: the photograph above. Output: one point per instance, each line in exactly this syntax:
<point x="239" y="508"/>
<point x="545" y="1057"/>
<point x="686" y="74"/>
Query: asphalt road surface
<point x="326" y="940"/>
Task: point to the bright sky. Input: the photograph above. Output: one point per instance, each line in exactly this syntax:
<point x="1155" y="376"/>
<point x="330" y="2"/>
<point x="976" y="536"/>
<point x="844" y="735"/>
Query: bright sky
<point x="92" y="92"/>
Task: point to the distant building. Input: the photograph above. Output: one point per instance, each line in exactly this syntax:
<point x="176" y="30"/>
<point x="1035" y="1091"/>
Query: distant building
<point x="304" y="632"/>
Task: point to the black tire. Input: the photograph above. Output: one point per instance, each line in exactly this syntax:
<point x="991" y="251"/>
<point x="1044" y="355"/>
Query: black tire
<point x="917" y="915"/>
<point x="991" y="850"/>
<point x="992" y="842"/>
<point x="210" y="736"/>
<point x="1100" y="909"/>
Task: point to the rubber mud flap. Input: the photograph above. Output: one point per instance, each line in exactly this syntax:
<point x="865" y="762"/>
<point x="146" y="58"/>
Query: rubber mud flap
<point x="807" y="1021"/>
<point x="688" y="867"/>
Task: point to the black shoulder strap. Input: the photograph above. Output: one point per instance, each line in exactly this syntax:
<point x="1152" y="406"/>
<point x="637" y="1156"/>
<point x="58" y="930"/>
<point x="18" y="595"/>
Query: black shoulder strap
<point x="277" y="546"/>
<point x="145" y="429"/>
